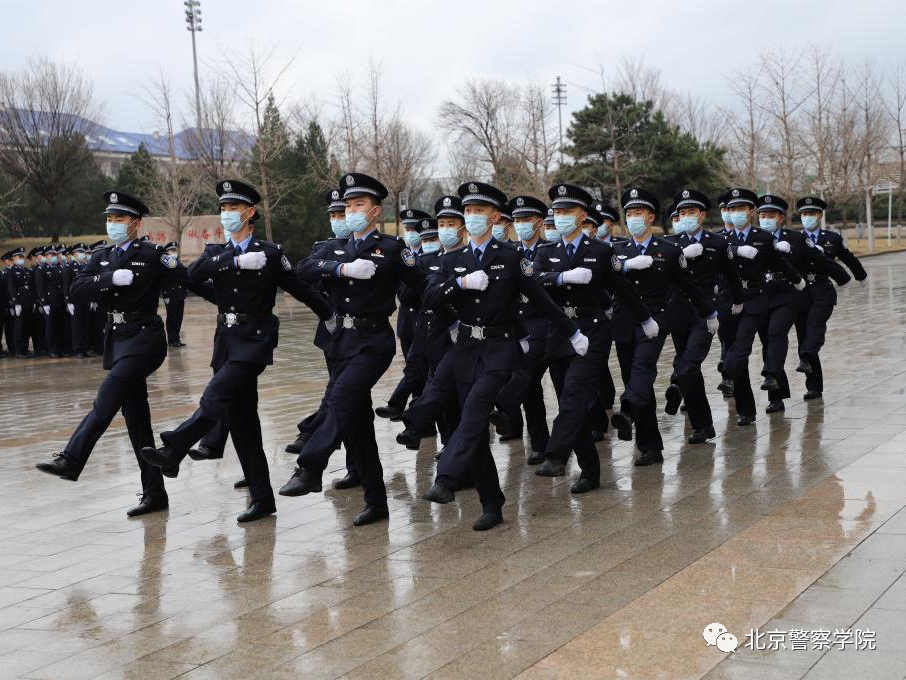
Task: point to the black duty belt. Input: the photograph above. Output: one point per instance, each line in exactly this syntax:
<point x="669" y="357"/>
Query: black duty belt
<point x="577" y="312"/>
<point x="129" y="317"/>
<point x="233" y="319"/>
<point x="345" y="321"/>
<point x="778" y="277"/>
<point x="812" y="277"/>
<point x="752" y="284"/>
<point x="484" y="332"/>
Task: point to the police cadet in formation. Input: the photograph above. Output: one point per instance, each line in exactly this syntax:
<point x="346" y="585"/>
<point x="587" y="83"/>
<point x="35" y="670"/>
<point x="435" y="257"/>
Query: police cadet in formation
<point x="246" y="271"/>
<point x="820" y="294"/>
<point x="756" y="258"/>
<point x="412" y="382"/>
<point x="79" y="312"/>
<point x="656" y="269"/>
<point x="6" y="314"/>
<point x="728" y="320"/>
<point x="709" y="257"/>
<point x="362" y="280"/>
<point x="786" y="301"/>
<point x="50" y="300"/>
<point x="174" y="296"/>
<point x="21" y="300"/>
<point x="577" y="272"/>
<point x="483" y="282"/>
<point x="127" y="277"/>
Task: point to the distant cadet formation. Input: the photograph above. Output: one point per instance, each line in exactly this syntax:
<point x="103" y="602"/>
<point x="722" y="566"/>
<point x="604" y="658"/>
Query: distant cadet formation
<point x="481" y="319"/>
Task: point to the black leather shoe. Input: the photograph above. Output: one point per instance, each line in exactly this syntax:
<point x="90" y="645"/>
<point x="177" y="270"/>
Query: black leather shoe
<point x="551" y="468"/>
<point x="702" y="435"/>
<point x="501" y="422"/>
<point x="812" y="394"/>
<point x="391" y="412"/>
<point x="598" y="435"/>
<point x="583" y="485"/>
<point x="674" y="397"/>
<point x="775" y="407"/>
<point x="439" y="493"/>
<point x="488" y="520"/>
<point x="649" y="458"/>
<point x="61" y="467"/>
<point x="623" y="425"/>
<point x="536" y="458"/>
<point x="347" y="482"/>
<point x="302" y="482"/>
<point x="770" y="383"/>
<point x="409" y="438"/>
<point x="296" y="446"/>
<point x="726" y="387"/>
<point x="165" y="458"/>
<point x="370" y="515"/>
<point x="148" y="504"/>
<point x="202" y="452"/>
<point x="804" y="367"/>
<point x="241" y="483"/>
<point x="257" y="510"/>
<point x="744" y="421"/>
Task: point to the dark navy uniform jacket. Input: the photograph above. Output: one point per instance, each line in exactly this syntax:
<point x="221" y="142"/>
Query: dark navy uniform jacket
<point x="496" y="307"/>
<point x="819" y="285"/>
<point x="370" y="300"/>
<point x="803" y="256"/>
<point x="435" y="322"/>
<point x="49" y="284"/>
<point x="551" y="260"/>
<point x="752" y="272"/>
<point x="251" y="294"/>
<point x="713" y="269"/>
<point x="20" y="287"/>
<point x="537" y="325"/>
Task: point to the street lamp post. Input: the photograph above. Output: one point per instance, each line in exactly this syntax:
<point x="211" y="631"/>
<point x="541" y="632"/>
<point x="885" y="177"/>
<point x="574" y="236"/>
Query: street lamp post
<point x="193" y="25"/>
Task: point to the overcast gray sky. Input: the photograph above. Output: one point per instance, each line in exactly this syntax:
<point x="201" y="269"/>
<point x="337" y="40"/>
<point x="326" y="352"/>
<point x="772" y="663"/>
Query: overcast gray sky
<point x="429" y="47"/>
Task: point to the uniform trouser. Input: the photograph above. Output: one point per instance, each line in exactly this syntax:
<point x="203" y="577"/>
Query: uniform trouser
<point x="124" y="388"/>
<point x="468" y="453"/>
<point x="37" y="331"/>
<point x="175" y="311"/>
<point x="811" y="328"/>
<point x="775" y="344"/>
<point x="736" y="361"/>
<point x="348" y="417"/>
<point x="727" y="327"/>
<point x="230" y="399"/>
<point x="80" y="321"/>
<point x="638" y="365"/>
<point x="96" y="323"/>
<point x="438" y="402"/>
<point x="524" y="390"/>
<point x="415" y="373"/>
<point x="693" y="342"/>
<point x="574" y="381"/>
<point x="9" y="330"/>
<point x="22" y="330"/>
<point x="54" y="339"/>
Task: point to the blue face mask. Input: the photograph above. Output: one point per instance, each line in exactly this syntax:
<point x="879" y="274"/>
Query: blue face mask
<point x="356" y="221"/>
<point x="53" y="259"/>
<point x="603" y="230"/>
<point x="80" y="257"/>
<point x="19" y="261"/>
<point x="809" y="222"/>
<point x="678" y="227"/>
<point x="587" y="231"/>
<point x="768" y="223"/>
<point x="565" y="224"/>
<point x="636" y="225"/>
<point x="739" y="219"/>
<point x="498" y="231"/>
<point x="412" y="238"/>
<point x="430" y="246"/>
<point x="117" y="231"/>
<point x="231" y="221"/>
<point x="524" y="230"/>
<point x="552" y="235"/>
<point x="725" y="216"/>
<point x="688" y="224"/>
<point x="339" y="228"/>
<point x="449" y="237"/>
<point x="477" y="225"/>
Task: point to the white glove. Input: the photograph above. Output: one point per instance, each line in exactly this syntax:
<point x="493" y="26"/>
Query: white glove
<point x="474" y="281"/>
<point x="580" y="344"/>
<point x="166" y="301"/>
<point x="122" y="277"/>
<point x="821" y="248"/>
<point x="253" y="260"/>
<point x="650" y="328"/>
<point x="93" y="306"/>
<point x="46" y="309"/>
<point x="18" y="309"/>
<point x="454" y="332"/>
<point x="782" y="246"/>
<point x="639" y="262"/>
<point x="609" y="313"/>
<point x="736" y="309"/>
<point x="70" y="308"/>
<point x="747" y="252"/>
<point x="331" y="324"/>
<point x="359" y="269"/>
<point x="712" y="325"/>
<point x="524" y="345"/>
<point x="581" y="275"/>
<point x="800" y="285"/>
<point x="693" y="250"/>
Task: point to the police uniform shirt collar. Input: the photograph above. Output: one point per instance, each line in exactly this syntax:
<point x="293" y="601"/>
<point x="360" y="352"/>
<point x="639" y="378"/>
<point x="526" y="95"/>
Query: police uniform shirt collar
<point x="124" y="245"/>
<point x="644" y="244"/>
<point x="244" y="244"/>
<point x="744" y="232"/>
<point x="529" y="249"/>
<point x="364" y="236"/>
<point x="576" y="241"/>
<point x="483" y="247"/>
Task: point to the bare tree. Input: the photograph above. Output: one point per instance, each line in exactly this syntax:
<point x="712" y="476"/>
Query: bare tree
<point x="895" y="105"/>
<point x="47" y="112"/>
<point x="746" y="124"/>
<point x="219" y="146"/>
<point x="643" y="83"/>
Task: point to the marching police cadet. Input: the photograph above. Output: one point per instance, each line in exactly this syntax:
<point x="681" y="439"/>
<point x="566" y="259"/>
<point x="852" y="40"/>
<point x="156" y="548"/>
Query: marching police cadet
<point x="174" y="296"/>
<point x="79" y="312"/>
<point x="362" y="280"/>
<point x="525" y="387"/>
<point x="609" y="218"/>
<point x="50" y="300"/>
<point x="128" y="278"/>
<point x="577" y="273"/>
<point x="551" y="235"/>
<point x="21" y="299"/>
<point x="656" y="268"/>
<point x="674" y="219"/>
<point x="821" y="296"/>
<point x="786" y="302"/>
<point x="755" y="256"/>
<point x="502" y="230"/>
<point x="725" y="315"/>
<point x="6" y="315"/>
<point x="708" y="257"/>
<point x="97" y="315"/>
<point x="37" y="313"/>
<point x="483" y="282"/>
<point x="246" y="273"/>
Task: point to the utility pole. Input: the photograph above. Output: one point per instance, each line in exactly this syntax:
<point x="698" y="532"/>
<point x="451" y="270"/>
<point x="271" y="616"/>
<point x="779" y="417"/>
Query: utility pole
<point x="558" y="90"/>
<point x="193" y="25"/>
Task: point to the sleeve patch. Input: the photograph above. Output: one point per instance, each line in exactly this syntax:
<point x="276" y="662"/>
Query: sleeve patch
<point x="168" y="261"/>
<point x="284" y="260"/>
<point x="526" y="266"/>
<point x="729" y="252"/>
<point x="615" y="263"/>
<point x="408" y="257"/>
<point x="682" y="261"/>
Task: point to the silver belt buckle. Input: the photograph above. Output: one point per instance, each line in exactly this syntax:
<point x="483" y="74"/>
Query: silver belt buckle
<point x="118" y="317"/>
<point x="745" y="284"/>
<point x="570" y="312"/>
<point x="523" y="299"/>
<point x="768" y="276"/>
<point x="231" y="319"/>
<point x="810" y="278"/>
<point x="348" y="322"/>
<point x="478" y="332"/>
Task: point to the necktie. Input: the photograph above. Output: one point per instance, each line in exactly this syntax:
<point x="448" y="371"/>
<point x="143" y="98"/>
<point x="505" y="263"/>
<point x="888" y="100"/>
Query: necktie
<point x="358" y="244"/>
<point x="740" y="238"/>
<point x="569" y="252"/>
<point x="814" y="238"/>
<point x="641" y="248"/>
<point x="478" y="255"/>
<point x="238" y="250"/>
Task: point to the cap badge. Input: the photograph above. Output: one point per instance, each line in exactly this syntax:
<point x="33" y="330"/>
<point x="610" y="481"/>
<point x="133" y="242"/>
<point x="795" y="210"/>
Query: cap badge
<point x="685" y="193"/>
<point x="227" y="186"/>
<point x="447" y="202"/>
<point x="808" y="201"/>
<point x="408" y="213"/>
<point x="561" y="190"/>
<point x="473" y="188"/>
<point x="335" y="194"/>
<point x="349" y="180"/>
<point x="520" y="201"/>
<point x="634" y="193"/>
<point x="114" y="198"/>
<point x="735" y="193"/>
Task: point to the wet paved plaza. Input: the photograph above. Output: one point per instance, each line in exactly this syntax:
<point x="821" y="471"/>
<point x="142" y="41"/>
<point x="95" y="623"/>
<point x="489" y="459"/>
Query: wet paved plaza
<point x="780" y="532"/>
